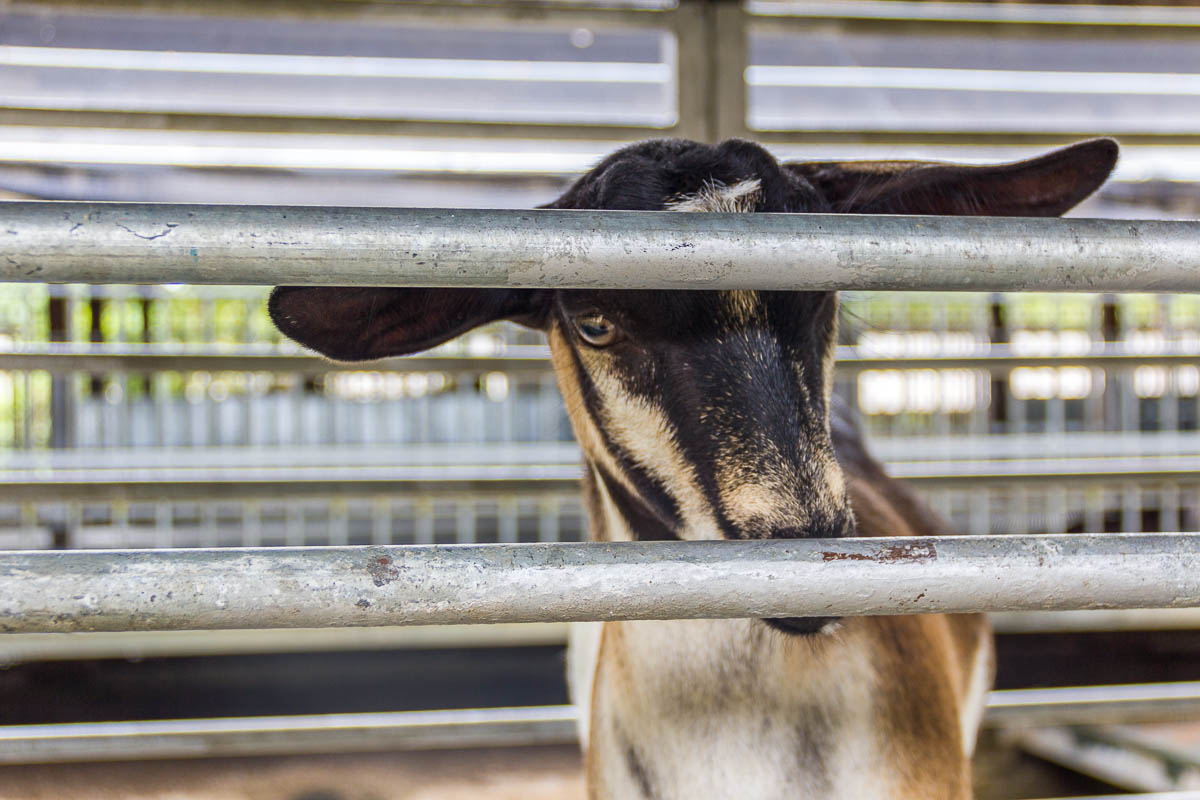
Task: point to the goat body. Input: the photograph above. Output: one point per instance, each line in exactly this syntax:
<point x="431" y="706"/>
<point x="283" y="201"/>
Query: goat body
<point x="708" y="415"/>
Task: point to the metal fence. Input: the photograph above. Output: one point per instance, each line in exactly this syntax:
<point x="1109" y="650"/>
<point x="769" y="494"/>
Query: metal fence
<point x="810" y="246"/>
<point x="148" y="416"/>
<point x="1012" y="413"/>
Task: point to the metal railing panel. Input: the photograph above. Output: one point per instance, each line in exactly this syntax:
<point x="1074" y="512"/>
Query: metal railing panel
<point x="333" y="586"/>
<point x="498" y="727"/>
<point x="136" y="359"/>
<point x="133" y="243"/>
<point x="317" y="733"/>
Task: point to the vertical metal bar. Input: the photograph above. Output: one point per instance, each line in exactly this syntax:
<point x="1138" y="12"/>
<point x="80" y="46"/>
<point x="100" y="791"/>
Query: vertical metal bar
<point x="938" y="327"/>
<point x="464" y="520"/>
<point x="208" y="525"/>
<point x="509" y="410"/>
<point x="548" y="408"/>
<point x="1168" y="518"/>
<point x="508" y="520"/>
<point x="61" y="407"/>
<point x="729" y="57"/>
<point x="381" y="520"/>
<point x="1019" y="510"/>
<point x="119" y="521"/>
<point x="294" y="534"/>
<point x="73" y="530"/>
<point x="252" y="524"/>
<point x="978" y="419"/>
<point x="1111" y="330"/>
<point x="29" y="523"/>
<point x="692" y="26"/>
<point x="1130" y="403"/>
<point x="1056" y="413"/>
<point x="548" y="511"/>
<point x="998" y="333"/>
<point x="1093" y="404"/>
<point x="1093" y="510"/>
<point x="28" y="409"/>
<point x="164" y="527"/>
<point x="1131" y="508"/>
<point x="339" y="521"/>
<point x="979" y="522"/>
<point x="1058" y="509"/>
<point x="246" y="404"/>
<point x="423" y="511"/>
<point x="296" y="405"/>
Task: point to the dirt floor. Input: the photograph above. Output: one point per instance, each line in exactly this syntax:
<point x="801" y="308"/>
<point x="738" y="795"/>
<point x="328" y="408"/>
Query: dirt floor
<point x="527" y="773"/>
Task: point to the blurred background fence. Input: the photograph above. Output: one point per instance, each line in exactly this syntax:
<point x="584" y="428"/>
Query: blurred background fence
<point x="174" y="416"/>
<point x="160" y="416"/>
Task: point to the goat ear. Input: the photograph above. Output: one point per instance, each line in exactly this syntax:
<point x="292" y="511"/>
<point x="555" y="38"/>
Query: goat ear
<point x="1046" y="186"/>
<point x="363" y="323"/>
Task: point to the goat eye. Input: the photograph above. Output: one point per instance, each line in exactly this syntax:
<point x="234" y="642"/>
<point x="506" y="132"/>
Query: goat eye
<point x="596" y="330"/>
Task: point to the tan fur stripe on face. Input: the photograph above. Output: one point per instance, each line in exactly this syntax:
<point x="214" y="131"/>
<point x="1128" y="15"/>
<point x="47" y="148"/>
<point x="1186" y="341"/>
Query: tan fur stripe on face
<point x="586" y="433"/>
<point x="642" y="430"/>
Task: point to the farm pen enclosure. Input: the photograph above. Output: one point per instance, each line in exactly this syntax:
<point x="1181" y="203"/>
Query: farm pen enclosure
<point x="380" y="584"/>
<point x="146" y="403"/>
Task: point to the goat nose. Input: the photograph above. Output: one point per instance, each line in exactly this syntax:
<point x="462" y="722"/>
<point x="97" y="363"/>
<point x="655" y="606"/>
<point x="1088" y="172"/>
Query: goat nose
<point x="826" y="529"/>
<point x="789" y="533"/>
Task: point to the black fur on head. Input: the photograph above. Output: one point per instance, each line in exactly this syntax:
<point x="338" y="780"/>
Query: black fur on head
<point x="649" y="175"/>
<point x="702" y="414"/>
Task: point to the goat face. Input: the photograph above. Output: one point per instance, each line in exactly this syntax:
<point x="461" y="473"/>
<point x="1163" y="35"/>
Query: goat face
<point x="701" y="414"/>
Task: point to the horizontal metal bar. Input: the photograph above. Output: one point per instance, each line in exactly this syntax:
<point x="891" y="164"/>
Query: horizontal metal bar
<point x="472" y="12"/>
<point x="316" y="733"/>
<point x="1026" y="20"/>
<point x="136" y="243"/>
<point x="985" y="14"/>
<point x="234" y="484"/>
<point x="605" y="138"/>
<point x="440" y="462"/>
<point x="1088" y="750"/>
<point x="117" y="124"/>
<point x="492" y="727"/>
<point x="134" y="483"/>
<point x="295" y="65"/>
<point x="974" y="80"/>
<point x="1093" y="705"/>
<point x="17" y="648"/>
<point x="60" y="360"/>
<point x="321" y="587"/>
<point x="1052" y="622"/>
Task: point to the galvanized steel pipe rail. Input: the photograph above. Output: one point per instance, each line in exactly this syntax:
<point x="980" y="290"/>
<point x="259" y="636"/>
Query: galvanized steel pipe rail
<point x="344" y="586"/>
<point x="55" y="242"/>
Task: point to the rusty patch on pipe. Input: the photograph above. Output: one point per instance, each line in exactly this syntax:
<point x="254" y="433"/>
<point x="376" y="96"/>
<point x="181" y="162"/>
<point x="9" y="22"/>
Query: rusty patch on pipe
<point x="381" y="570"/>
<point x="913" y="553"/>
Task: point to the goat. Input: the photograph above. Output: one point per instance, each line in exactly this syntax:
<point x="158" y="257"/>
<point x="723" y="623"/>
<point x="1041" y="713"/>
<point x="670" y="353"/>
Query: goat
<point x="709" y="415"/>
